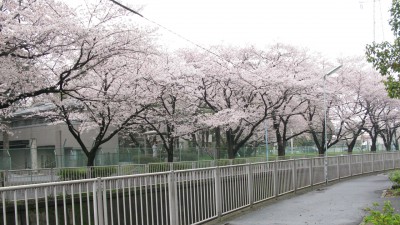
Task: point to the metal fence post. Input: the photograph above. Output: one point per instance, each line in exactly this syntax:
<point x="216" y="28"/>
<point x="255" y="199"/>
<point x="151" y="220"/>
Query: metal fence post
<point x="275" y="179"/>
<point x="173" y="198"/>
<point x="338" y="167"/>
<point x="119" y="170"/>
<point x="218" y="196"/>
<point x="98" y="202"/>
<point x="52" y="174"/>
<point x="392" y="160"/>
<point x="362" y="163"/>
<point x="294" y="175"/>
<point x="250" y="183"/>
<point x="311" y="172"/>
<point x="5" y="178"/>
<point x="350" y="163"/>
<point x="383" y="156"/>
<point x="373" y="162"/>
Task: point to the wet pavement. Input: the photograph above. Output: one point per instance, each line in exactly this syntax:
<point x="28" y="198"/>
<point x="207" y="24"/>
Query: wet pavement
<point x="342" y="203"/>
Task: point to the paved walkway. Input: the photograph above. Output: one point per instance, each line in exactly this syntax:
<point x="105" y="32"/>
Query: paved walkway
<point x="339" y="204"/>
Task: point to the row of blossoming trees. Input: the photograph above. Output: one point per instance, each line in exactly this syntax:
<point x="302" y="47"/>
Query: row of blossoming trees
<point x="104" y="73"/>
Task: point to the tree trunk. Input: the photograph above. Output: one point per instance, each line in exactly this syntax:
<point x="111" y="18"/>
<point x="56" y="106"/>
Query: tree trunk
<point x="281" y="147"/>
<point x="388" y="147"/>
<point x="321" y="150"/>
<point x="170" y="150"/>
<point x="373" y="144"/>
<point x="217" y="142"/>
<point x="229" y="142"/>
<point x="90" y="158"/>
<point x="351" y="145"/>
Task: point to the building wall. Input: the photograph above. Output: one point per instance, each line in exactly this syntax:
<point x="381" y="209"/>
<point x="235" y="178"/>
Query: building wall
<point x="52" y="140"/>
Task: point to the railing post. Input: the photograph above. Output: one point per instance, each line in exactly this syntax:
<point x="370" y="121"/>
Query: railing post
<point x="294" y="175"/>
<point x="172" y="196"/>
<point x="373" y="162"/>
<point x="51" y="174"/>
<point x="275" y="179"/>
<point x="218" y="197"/>
<point x="391" y="154"/>
<point x="338" y="166"/>
<point x="311" y="173"/>
<point x="350" y="163"/>
<point x="362" y="163"/>
<point x="89" y="172"/>
<point x="98" y="202"/>
<point x="119" y="170"/>
<point x="383" y="156"/>
<point x="250" y="183"/>
<point x="6" y="173"/>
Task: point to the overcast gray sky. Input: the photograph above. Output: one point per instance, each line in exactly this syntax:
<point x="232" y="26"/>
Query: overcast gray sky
<point x="333" y="27"/>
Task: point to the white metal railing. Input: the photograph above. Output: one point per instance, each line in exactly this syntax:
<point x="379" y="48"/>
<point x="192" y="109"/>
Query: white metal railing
<point x="44" y="175"/>
<point x="176" y="197"/>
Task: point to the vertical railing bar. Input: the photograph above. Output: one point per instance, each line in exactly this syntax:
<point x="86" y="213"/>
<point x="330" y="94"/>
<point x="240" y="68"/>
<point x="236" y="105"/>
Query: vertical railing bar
<point x="172" y="198"/>
<point x="80" y="202"/>
<point x="26" y="206"/>
<point x="95" y="204"/>
<point x="3" y="198"/>
<point x="88" y="203"/>
<point x="218" y="205"/>
<point x="200" y="195"/>
<point x="250" y="184"/>
<point x="184" y="200"/>
<point x="15" y="207"/>
<point x="294" y="175"/>
<point x="55" y="204"/>
<point x="311" y="172"/>
<point x="104" y="202"/>
<point x="111" y="202"/>
<point x="275" y="179"/>
<point x="73" y="204"/>
<point x="141" y="199"/>
<point x="151" y="200"/>
<point x="117" y="199"/>
<point x="146" y="198"/>
<point x="136" y="208"/>
<point x="98" y="195"/>
<point x="123" y="200"/>
<point x="192" y="193"/>
<point x="46" y="205"/>
<point x="130" y="202"/>
<point x="36" y="206"/>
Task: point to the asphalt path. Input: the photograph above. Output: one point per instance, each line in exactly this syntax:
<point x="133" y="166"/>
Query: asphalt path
<point x="342" y="203"/>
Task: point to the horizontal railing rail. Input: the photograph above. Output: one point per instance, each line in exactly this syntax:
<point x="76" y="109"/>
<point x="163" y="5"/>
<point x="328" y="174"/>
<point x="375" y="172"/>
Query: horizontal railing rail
<point x="45" y="175"/>
<point x="186" y="196"/>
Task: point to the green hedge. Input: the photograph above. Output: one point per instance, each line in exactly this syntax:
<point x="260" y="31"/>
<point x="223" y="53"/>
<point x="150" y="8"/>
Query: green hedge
<point x="83" y="172"/>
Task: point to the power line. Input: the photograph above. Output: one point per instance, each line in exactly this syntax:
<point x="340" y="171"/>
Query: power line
<point x="178" y="35"/>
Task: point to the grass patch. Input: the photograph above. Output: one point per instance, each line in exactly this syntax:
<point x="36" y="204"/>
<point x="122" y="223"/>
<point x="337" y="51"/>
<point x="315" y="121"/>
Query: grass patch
<point x="385" y="216"/>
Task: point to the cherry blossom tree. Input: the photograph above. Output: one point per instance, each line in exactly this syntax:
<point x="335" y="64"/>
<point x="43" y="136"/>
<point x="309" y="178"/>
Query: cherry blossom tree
<point x="315" y="112"/>
<point x="357" y="82"/>
<point x="107" y="97"/>
<point x="242" y="87"/>
<point x="35" y="33"/>
<point x="173" y="112"/>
